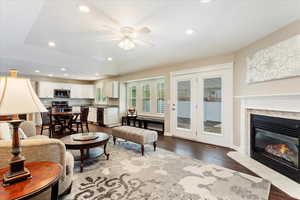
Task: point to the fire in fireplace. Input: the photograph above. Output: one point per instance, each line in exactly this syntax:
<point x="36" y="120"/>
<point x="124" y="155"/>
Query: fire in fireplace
<point x="275" y="143"/>
<point x="282" y="151"/>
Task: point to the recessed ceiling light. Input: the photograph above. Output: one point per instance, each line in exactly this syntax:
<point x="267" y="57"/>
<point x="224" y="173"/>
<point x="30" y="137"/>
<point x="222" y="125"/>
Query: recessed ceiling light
<point x="189" y="32"/>
<point x="66" y="74"/>
<point x="109" y="58"/>
<point x="205" y="1"/>
<point x="51" y="44"/>
<point x="63" y="69"/>
<point x="37" y="71"/>
<point x="84" y="8"/>
<point x="50" y="75"/>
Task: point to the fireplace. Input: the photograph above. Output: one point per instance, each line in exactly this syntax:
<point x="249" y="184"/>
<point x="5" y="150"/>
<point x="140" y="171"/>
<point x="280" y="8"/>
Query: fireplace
<point x="275" y="143"/>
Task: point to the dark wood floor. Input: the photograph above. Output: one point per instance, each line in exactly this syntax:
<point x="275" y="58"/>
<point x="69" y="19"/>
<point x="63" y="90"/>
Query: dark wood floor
<point x="207" y="153"/>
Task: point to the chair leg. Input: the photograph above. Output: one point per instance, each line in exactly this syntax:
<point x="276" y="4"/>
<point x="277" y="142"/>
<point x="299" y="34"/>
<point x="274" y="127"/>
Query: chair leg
<point x="42" y="130"/>
<point x="81" y="127"/>
<point x="77" y="128"/>
<point x="154" y="146"/>
<point x="87" y="127"/>
<point x="114" y="139"/>
<point x="143" y="149"/>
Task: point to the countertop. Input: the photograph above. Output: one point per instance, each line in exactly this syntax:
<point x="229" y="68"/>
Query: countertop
<point x="96" y="106"/>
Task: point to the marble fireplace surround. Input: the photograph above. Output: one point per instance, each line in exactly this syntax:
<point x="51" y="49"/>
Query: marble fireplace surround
<point x="283" y="106"/>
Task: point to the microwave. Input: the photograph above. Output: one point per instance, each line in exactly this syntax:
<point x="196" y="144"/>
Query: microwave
<point x="61" y="93"/>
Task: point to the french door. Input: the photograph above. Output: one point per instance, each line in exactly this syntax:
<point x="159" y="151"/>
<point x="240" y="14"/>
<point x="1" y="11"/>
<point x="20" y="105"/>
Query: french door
<point x="202" y="106"/>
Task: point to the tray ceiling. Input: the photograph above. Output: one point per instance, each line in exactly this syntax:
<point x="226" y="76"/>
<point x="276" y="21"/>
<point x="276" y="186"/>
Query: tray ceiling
<point x="221" y="26"/>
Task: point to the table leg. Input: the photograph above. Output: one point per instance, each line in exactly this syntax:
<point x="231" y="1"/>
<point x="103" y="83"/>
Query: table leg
<point x="81" y="159"/>
<point x="145" y="125"/>
<point x="107" y="154"/>
<point x="87" y="153"/>
<point x="54" y="191"/>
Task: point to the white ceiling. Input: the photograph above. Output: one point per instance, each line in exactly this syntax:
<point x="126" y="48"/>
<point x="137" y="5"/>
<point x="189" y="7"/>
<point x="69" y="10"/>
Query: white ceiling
<point x="221" y="26"/>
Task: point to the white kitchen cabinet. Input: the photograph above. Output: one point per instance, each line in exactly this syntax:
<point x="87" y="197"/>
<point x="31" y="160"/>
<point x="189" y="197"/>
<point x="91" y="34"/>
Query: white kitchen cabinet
<point x="112" y="89"/>
<point x="88" y="91"/>
<point x="45" y="89"/>
<point x="92" y="117"/>
<point x="78" y="91"/>
<point x="111" y="116"/>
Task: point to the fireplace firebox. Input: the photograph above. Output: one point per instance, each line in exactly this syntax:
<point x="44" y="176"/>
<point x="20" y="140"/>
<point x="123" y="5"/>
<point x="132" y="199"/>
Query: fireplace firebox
<point x="275" y="143"/>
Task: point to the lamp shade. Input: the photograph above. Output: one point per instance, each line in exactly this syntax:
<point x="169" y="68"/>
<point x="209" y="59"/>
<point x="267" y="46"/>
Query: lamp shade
<point x="18" y="97"/>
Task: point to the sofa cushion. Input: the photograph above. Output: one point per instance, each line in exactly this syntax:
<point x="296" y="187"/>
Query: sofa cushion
<point x="38" y="137"/>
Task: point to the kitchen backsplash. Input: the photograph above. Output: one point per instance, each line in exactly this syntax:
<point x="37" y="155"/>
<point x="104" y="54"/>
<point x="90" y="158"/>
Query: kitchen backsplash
<point x="72" y="102"/>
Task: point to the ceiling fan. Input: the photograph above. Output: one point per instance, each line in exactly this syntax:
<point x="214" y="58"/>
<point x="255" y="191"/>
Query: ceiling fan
<point x="128" y="36"/>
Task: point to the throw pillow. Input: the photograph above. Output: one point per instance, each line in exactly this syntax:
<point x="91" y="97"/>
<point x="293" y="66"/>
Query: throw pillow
<point x="22" y="135"/>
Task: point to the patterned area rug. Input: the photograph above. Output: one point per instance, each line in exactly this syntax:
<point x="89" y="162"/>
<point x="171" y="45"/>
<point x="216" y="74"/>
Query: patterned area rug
<point x="160" y="175"/>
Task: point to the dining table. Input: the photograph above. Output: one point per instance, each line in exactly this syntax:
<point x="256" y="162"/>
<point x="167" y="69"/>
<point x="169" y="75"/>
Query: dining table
<point x="65" y="121"/>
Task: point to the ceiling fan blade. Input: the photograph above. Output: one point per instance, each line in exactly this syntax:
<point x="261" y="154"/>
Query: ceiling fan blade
<point x="143" y="42"/>
<point x="144" y="30"/>
<point x="108" y="28"/>
<point x="107" y="39"/>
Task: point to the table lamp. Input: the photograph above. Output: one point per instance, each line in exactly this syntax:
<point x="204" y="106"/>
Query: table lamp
<point x="17" y="97"/>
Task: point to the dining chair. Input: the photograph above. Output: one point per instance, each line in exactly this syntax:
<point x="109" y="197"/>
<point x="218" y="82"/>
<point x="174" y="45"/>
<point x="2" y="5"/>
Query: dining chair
<point x="47" y="123"/>
<point x="83" y="120"/>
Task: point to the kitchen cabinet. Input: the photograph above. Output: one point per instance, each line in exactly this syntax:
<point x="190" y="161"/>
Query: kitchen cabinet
<point x="78" y="91"/>
<point x="111" y="89"/>
<point x="92" y="117"/>
<point x="107" y="116"/>
<point x="110" y="116"/>
<point x="45" y="89"/>
<point x="88" y="91"/>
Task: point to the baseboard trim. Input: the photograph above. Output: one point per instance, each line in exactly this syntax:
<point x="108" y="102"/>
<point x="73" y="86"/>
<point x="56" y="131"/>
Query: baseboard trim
<point x="167" y="133"/>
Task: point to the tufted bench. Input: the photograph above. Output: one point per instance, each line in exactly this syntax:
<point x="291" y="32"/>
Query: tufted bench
<point x="136" y="135"/>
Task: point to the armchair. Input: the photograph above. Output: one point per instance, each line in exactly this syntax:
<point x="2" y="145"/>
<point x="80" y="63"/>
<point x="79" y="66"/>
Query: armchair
<point x="42" y="148"/>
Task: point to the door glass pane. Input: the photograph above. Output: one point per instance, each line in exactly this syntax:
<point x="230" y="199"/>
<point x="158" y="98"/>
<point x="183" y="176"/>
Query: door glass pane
<point x="213" y="105"/>
<point x="184" y="104"/>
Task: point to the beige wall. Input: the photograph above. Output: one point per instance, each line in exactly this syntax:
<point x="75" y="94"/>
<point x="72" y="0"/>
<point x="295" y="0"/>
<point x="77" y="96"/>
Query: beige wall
<point x="165" y="71"/>
<point x="289" y="85"/>
<point x="241" y="88"/>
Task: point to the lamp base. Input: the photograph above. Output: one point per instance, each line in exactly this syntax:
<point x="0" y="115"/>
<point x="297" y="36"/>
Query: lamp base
<point x="17" y="172"/>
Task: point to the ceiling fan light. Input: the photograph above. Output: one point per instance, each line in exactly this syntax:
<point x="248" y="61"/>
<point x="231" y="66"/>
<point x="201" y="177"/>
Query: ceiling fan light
<point x="126" y="44"/>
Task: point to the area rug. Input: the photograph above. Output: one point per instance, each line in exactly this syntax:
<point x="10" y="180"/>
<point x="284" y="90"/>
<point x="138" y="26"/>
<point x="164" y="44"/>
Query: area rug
<point x="160" y="175"/>
<point x="282" y="182"/>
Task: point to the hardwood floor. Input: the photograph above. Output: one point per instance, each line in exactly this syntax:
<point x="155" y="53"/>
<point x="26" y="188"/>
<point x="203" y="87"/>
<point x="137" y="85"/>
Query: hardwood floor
<point x="207" y="153"/>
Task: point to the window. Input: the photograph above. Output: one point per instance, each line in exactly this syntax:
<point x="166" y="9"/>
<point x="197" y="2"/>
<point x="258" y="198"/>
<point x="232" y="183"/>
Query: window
<point x="146" y="97"/>
<point x="132" y="96"/>
<point x="160" y="103"/>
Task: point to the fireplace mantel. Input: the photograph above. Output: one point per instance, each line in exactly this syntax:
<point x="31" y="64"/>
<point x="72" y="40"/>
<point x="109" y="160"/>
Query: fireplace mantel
<point x="280" y="105"/>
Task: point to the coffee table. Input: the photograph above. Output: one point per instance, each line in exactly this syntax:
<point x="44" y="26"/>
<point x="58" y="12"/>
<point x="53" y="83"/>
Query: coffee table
<point x="72" y="144"/>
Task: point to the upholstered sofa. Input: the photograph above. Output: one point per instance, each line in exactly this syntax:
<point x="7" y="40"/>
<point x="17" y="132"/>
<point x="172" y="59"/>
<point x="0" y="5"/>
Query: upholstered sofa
<point x="41" y="148"/>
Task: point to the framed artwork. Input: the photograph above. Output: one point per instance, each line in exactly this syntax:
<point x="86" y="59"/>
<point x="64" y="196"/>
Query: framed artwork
<point x="279" y="61"/>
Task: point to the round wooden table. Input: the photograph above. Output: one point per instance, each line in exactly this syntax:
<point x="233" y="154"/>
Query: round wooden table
<point x="45" y="175"/>
<point x="72" y="144"/>
<point x="65" y="120"/>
